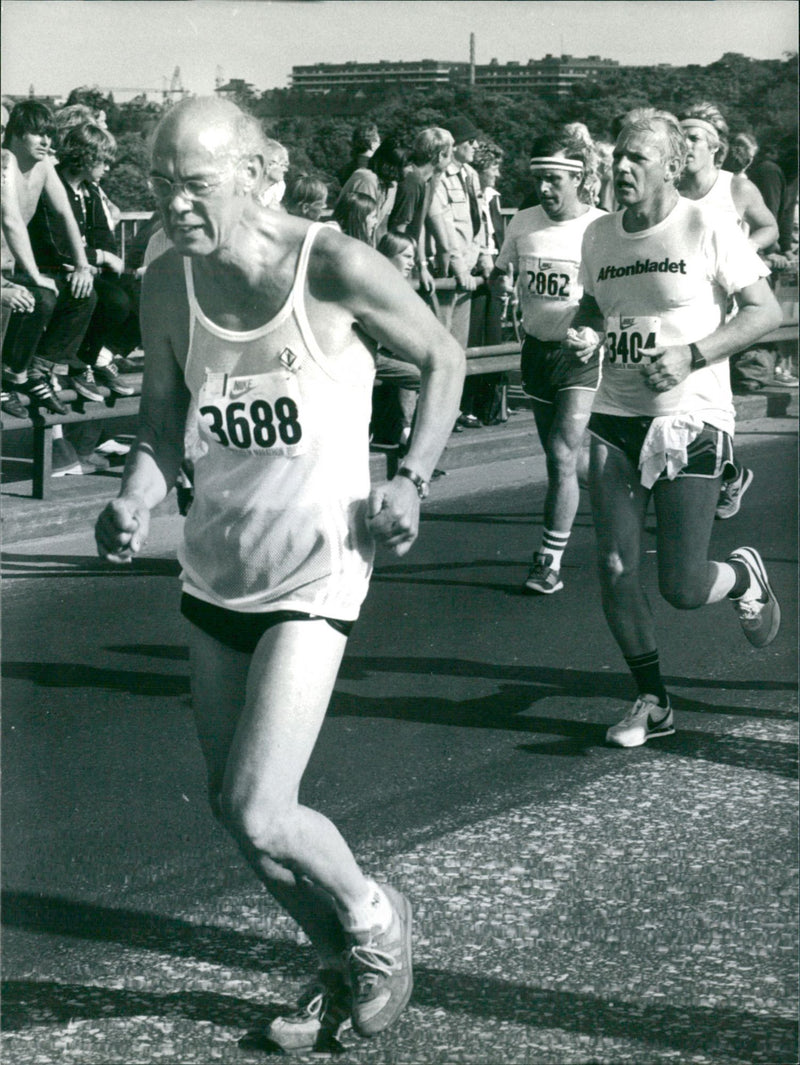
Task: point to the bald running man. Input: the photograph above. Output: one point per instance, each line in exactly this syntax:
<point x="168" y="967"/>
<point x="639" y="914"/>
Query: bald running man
<point x="259" y="330"/>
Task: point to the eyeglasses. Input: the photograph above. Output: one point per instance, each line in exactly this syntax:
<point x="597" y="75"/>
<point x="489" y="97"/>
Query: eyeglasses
<point x="193" y="188"/>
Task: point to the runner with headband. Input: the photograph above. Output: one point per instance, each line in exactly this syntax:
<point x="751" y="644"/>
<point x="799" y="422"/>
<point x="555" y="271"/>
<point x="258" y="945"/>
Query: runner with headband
<point x="704" y="181"/>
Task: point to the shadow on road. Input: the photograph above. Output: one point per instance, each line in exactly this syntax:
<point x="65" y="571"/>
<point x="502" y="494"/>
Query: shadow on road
<point x="509" y="707"/>
<point x="683" y="1029"/>
<point x="32" y="567"/>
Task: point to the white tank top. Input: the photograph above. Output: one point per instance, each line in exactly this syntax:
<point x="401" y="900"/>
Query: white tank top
<point x="720" y="196"/>
<point x="279" y="436"/>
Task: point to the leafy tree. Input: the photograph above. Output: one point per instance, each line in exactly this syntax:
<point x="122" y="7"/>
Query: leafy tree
<point x="759" y="95"/>
<point x="126" y="182"/>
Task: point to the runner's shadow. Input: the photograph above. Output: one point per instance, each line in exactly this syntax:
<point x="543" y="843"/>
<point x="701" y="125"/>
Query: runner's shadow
<point x="35" y="567"/>
<point x="680" y="1029"/>
<point x="57" y="916"/>
<point x="80" y="675"/>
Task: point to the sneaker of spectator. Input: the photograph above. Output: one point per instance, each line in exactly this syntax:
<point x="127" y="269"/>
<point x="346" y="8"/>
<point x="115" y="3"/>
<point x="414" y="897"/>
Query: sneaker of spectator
<point x="41" y="394"/>
<point x="10" y="404"/>
<point x="130" y="363"/>
<point x="84" y="384"/>
<point x="110" y="377"/>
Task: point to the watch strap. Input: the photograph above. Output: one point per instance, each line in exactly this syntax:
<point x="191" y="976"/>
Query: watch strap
<point x="698" y="360"/>
<point x="418" y="481"/>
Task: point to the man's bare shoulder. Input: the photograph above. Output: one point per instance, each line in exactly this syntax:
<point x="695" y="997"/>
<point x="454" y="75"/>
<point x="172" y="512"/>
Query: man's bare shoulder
<point x="164" y="273"/>
<point x="744" y="189"/>
<point x="340" y="267"/>
<point x="10" y="165"/>
<point x="164" y="286"/>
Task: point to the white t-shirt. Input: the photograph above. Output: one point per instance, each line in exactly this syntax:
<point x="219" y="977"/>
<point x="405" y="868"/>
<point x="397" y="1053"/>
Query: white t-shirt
<point x="545" y="256"/>
<point x="664" y="286"/>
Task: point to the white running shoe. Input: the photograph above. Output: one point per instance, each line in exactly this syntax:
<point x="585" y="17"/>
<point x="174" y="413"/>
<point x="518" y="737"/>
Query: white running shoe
<point x="731" y="492"/>
<point x="758" y="609"/>
<point x="646" y="720"/>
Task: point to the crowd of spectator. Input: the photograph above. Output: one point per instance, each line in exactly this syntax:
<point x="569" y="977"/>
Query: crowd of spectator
<point x="70" y="302"/>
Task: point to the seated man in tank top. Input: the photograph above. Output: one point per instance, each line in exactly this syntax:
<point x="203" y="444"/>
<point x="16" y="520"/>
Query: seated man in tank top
<point x="259" y="330"/>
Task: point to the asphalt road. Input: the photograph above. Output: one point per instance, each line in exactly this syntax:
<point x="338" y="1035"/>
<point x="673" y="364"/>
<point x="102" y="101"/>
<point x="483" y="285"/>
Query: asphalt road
<point x="573" y="902"/>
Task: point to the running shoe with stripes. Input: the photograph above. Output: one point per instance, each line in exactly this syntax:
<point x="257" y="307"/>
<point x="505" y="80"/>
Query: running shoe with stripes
<point x="541" y="579"/>
<point x="40" y="392"/>
<point x="731" y="492"/>
<point x="646" y="720"/>
<point x="321" y="1018"/>
<point x="379" y="969"/>
<point x="758" y="609"/>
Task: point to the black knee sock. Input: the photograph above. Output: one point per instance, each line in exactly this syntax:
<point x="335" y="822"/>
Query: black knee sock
<point x="647" y="674"/>
<point x="742" y="582"/>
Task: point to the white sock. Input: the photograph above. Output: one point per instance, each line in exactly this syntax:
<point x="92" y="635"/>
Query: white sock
<point x="723" y="578"/>
<point x="553" y="546"/>
<point x="374" y="910"/>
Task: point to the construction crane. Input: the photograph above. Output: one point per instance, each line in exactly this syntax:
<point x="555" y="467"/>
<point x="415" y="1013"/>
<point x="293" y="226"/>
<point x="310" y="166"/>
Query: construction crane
<point x="176" y="90"/>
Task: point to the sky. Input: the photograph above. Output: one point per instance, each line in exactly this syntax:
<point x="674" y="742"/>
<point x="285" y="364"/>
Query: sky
<point x="56" y="45"/>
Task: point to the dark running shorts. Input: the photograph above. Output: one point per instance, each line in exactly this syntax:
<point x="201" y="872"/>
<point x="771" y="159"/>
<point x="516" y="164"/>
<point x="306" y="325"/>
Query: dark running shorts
<point x="546" y="372"/>
<point x="241" y="631"/>
<point x="708" y="454"/>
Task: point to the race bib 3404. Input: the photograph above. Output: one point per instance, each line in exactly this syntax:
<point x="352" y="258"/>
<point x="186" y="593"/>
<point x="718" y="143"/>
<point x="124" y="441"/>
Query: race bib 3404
<point x="630" y="339"/>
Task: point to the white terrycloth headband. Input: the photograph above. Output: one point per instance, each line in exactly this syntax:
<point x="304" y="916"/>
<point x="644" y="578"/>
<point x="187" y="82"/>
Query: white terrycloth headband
<point x="555" y="162"/>
<point x="701" y="122"/>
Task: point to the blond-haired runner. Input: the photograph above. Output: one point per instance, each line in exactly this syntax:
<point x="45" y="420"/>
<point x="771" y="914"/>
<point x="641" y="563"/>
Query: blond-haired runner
<point x="657" y="276"/>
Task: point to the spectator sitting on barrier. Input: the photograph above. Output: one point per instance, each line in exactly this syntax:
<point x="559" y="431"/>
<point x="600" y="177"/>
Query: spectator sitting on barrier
<point x="306" y="196"/>
<point x="356" y="214"/>
<point x="55" y="328"/>
<point x="380" y="180"/>
<point x="77" y="115"/>
<point x="364" y="144"/>
<point x="394" y="400"/>
<point x="276" y="163"/>
<point x="84" y="154"/>
<point x="13" y="297"/>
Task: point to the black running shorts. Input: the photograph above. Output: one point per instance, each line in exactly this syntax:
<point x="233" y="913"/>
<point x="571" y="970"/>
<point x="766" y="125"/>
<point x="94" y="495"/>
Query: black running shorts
<point x="546" y="371"/>
<point x="241" y="631"/>
<point x="708" y="454"/>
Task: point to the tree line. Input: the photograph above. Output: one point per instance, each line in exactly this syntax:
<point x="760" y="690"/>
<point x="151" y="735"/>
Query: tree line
<point x="759" y="96"/>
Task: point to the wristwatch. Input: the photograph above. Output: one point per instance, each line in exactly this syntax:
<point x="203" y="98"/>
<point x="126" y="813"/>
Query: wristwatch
<point x="419" y="483"/>
<point x="698" y="360"/>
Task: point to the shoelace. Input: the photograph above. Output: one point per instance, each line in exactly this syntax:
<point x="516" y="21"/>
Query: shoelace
<point x="372" y="960"/>
<point x="635" y="711"/>
<point x="312" y="1007"/>
<point x="749" y="607"/>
